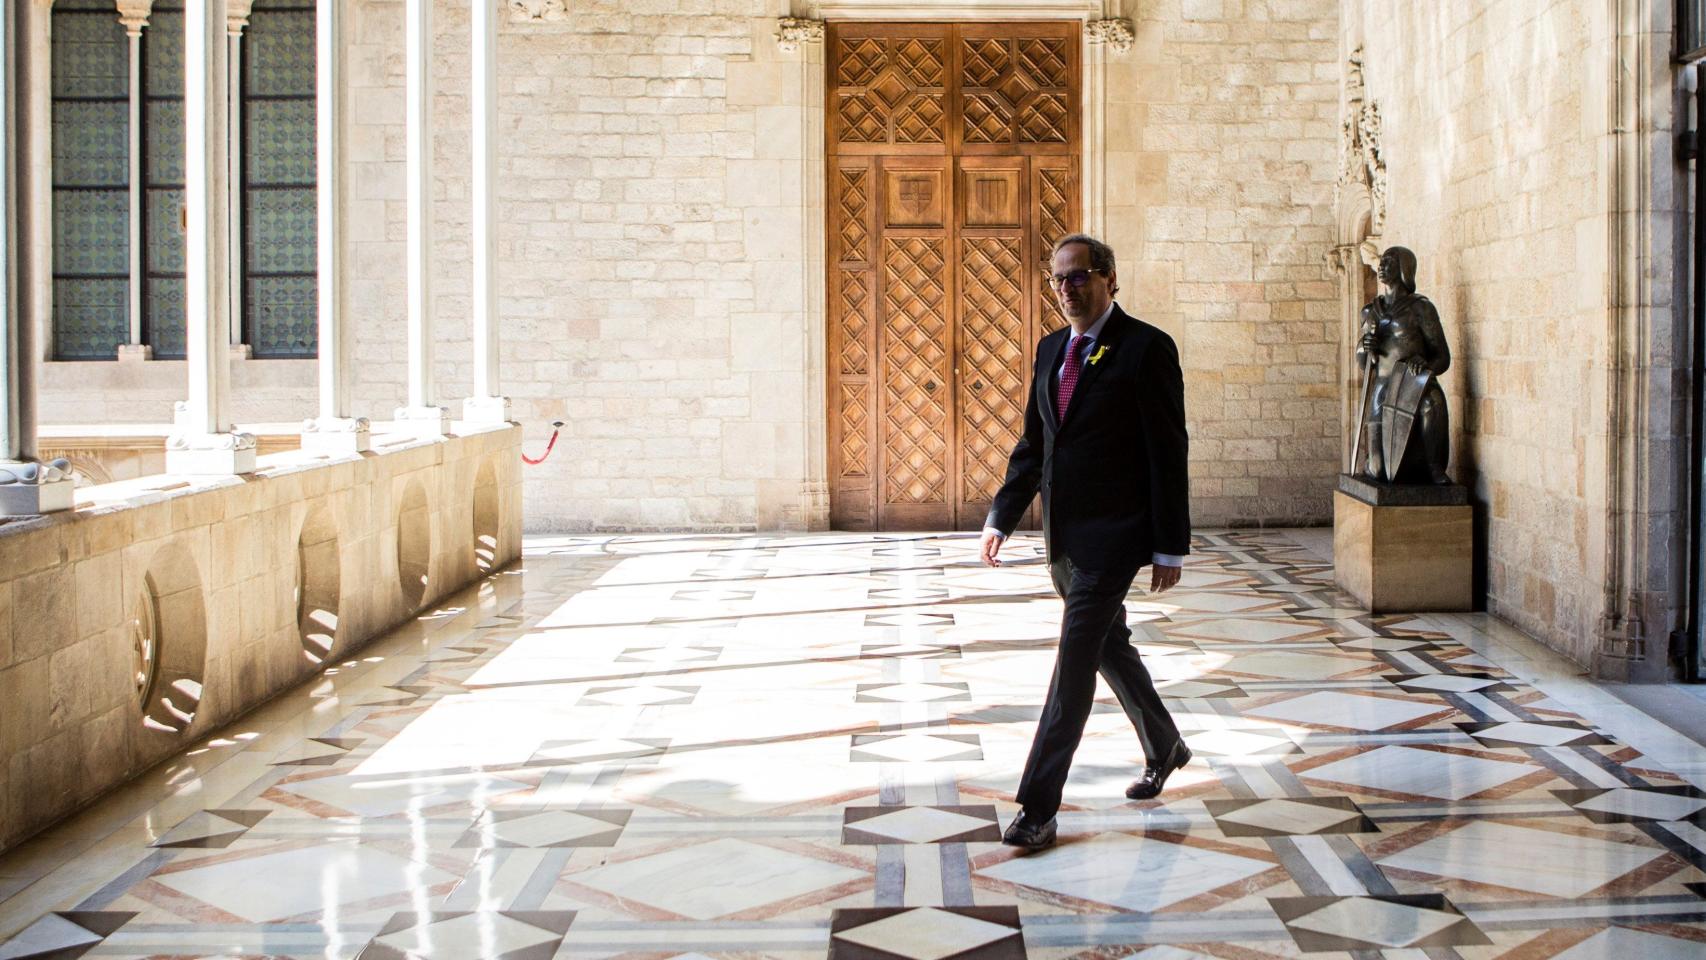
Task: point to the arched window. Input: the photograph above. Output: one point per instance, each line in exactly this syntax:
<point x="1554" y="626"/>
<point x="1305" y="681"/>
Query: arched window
<point x="91" y="180"/>
<point x="279" y="224"/>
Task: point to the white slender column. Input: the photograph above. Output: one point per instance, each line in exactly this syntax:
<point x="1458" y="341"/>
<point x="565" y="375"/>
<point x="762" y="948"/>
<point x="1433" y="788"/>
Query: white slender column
<point x="422" y="415"/>
<point x="26" y="487"/>
<point x="486" y="405"/>
<point x="134" y="15"/>
<point x="202" y="440"/>
<point x="334" y="431"/>
<point x="236" y="18"/>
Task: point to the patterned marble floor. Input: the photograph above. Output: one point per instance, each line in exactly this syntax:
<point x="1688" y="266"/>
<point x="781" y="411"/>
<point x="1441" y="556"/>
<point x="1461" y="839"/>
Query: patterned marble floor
<point x="746" y="747"/>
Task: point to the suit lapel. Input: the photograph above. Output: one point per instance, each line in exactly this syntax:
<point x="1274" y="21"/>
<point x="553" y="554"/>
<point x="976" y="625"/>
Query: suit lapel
<point x="1045" y="382"/>
<point x="1105" y="345"/>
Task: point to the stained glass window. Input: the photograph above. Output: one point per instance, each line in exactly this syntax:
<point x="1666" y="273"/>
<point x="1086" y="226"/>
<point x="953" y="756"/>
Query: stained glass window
<point x="279" y="224"/>
<point x="163" y="180"/>
<point x="91" y="180"/>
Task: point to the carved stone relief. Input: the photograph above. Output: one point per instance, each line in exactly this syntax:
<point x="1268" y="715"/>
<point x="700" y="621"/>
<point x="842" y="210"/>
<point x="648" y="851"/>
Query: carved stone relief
<point x="1115" y="32"/>
<point x="538" y="11"/>
<point x="793" y="31"/>
<point x="1361" y="161"/>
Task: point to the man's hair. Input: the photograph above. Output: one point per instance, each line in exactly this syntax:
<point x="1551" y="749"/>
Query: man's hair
<point x="1101" y="255"/>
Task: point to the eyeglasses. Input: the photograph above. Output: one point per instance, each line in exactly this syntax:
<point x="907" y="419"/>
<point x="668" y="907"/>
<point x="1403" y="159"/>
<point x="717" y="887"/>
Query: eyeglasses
<point x="1076" y="278"/>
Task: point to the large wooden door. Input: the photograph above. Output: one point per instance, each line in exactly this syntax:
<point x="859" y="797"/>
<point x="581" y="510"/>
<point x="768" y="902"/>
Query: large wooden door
<point x="953" y="167"/>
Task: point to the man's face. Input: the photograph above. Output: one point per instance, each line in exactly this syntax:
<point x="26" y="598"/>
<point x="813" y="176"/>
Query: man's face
<point x="1086" y="301"/>
<point x="1388" y="272"/>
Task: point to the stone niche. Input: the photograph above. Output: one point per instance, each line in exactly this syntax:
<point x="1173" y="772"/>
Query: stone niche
<point x="1404" y="548"/>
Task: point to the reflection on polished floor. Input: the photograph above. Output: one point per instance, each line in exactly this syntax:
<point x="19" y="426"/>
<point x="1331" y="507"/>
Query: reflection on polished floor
<point x="704" y="747"/>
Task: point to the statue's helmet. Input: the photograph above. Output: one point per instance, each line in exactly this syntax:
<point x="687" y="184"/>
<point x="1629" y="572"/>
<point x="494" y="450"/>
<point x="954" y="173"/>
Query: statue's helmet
<point x="1406" y="267"/>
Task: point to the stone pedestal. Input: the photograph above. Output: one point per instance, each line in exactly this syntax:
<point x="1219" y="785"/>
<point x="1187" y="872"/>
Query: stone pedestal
<point x="1404" y="549"/>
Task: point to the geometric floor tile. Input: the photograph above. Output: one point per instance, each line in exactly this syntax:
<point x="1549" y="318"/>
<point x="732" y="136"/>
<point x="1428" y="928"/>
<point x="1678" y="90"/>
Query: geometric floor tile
<point x="564" y="752"/>
<point x="1450" y="683"/>
<point x="291" y="883"/>
<point x="1253" y="742"/>
<point x="1289" y="817"/>
<point x="709" y="880"/>
<point x="1387" y="644"/>
<point x="1349" y="711"/>
<point x="318" y="751"/>
<point x="1533" y="733"/>
<point x="1120" y="870"/>
<point x="1623" y="943"/>
<point x="917" y="692"/>
<point x="914" y="747"/>
<point x="1322" y="924"/>
<point x="1421" y="773"/>
<point x="375" y="796"/>
<point x="909" y="619"/>
<point x="639" y="695"/>
<point x="64" y="935"/>
<point x="1285" y="665"/>
<point x="667" y="654"/>
<point x="472" y="935"/>
<point x="1637" y="804"/>
<point x="911" y="651"/>
<point x="1523" y="858"/>
<point x="211" y="829"/>
<point x="713" y="595"/>
<point x="1198" y="689"/>
<point x="926" y="933"/>
<point x="546" y="828"/>
<point x="880" y="825"/>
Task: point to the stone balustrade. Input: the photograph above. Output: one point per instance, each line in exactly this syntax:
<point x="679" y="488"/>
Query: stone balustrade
<point x="164" y="607"/>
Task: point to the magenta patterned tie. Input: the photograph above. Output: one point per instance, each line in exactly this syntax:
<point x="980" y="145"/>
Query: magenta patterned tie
<point x="1069" y="377"/>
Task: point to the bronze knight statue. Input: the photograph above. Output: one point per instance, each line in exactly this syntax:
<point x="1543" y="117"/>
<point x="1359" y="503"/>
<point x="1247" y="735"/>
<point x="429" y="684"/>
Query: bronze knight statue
<point x="1404" y="432"/>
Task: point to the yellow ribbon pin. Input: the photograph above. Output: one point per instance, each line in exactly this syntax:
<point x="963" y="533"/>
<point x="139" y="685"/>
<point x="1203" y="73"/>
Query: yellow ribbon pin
<point x="1098" y="354"/>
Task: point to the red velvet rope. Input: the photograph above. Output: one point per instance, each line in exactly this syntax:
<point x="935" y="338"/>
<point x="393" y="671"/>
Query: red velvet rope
<point x="556" y="428"/>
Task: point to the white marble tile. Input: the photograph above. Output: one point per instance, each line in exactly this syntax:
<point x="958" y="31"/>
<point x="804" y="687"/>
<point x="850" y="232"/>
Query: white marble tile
<point x="1644" y="803"/>
<point x="1522" y="858"/>
<point x="919" y="824"/>
<point x="305" y="881"/>
<point x="1129" y="872"/>
<point x="1289" y="816"/>
<point x="715" y="879"/>
<point x="925" y="934"/>
<point x="1623" y="943"/>
<point x="1428" y="773"/>
<point x="1351" y="711"/>
<point x="483" y="935"/>
<point x="1377" y="921"/>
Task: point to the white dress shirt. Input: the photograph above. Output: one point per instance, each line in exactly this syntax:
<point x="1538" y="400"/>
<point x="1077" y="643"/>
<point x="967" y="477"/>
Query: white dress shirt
<point x="1090" y="337"/>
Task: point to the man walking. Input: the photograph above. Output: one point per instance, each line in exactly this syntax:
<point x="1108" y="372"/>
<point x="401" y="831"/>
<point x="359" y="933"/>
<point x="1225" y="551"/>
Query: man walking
<point x="1105" y="441"/>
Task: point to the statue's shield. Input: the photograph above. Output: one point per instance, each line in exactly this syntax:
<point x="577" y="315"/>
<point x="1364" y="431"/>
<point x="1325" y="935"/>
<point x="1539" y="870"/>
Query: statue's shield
<point x="1402" y="404"/>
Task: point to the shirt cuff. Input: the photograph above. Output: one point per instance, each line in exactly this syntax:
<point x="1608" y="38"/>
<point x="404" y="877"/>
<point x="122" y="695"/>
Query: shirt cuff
<point x="1168" y="560"/>
<point x="990" y="530"/>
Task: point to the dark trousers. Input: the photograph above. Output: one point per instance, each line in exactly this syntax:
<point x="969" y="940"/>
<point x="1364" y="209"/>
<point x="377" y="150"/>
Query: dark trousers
<point x="1094" y="639"/>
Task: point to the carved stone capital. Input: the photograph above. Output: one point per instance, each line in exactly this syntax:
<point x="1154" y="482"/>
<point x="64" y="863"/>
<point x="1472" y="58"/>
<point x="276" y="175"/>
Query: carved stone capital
<point x="1116" y="32"/>
<point x="134" y="15"/>
<point x="538" y="11"/>
<point x="336" y="425"/>
<point x="793" y="31"/>
<point x="232" y="441"/>
<point x="237" y="16"/>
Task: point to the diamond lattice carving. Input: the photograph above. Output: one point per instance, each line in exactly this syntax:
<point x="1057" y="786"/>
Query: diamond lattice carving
<point x="992" y="334"/>
<point x="863" y="120"/>
<point x="1054" y="205"/>
<point x="915" y="327"/>
<point x="855" y="421"/>
<point x="987" y="119"/>
<point x="922" y="61"/>
<point x="919" y="121"/>
<point x="1043" y="61"/>
<point x="1043" y="120"/>
<point x="855" y="325"/>
<point x="855" y="200"/>
<point x="983" y="62"/>
<point x="860" y="60"/>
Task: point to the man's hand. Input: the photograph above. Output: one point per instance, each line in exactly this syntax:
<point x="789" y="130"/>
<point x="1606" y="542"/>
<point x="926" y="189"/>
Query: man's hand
<point x="1163" y="578"/>
<point x="991" y="546"/>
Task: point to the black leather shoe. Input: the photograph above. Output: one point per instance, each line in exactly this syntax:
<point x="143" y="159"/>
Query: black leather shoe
<point x="1148" y="786"/>
<point x="1029" y="834"/>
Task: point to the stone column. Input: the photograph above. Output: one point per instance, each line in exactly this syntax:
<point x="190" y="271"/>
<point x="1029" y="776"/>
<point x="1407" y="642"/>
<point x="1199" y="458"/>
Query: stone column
<point x="134" y="15"/>
<point x="334" y="431"/>
<point x="422" y="415"/>
<point x="26" y="487"/>
<point x="486" y="405"/>
<point x="203" y="441"/>
<point x="236" y="18"/>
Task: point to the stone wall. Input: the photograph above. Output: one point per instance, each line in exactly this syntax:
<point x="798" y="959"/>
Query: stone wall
<point x="660" y="200"/>
<point x="1504" y="177"/>
<point x="212" y="569"/>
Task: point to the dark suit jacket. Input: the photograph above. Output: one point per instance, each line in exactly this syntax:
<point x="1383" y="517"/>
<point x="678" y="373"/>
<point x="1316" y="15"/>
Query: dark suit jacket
<point x="1113" y="475"/>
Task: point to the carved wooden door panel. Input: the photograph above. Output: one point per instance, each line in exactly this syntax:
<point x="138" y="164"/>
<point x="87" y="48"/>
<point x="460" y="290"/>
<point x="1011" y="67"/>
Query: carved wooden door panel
<point x="953" y="157"/>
